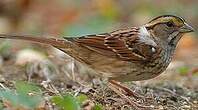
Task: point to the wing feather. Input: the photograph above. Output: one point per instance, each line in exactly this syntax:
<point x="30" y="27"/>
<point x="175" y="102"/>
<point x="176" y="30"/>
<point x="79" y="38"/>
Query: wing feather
<point x="125" y="44"/>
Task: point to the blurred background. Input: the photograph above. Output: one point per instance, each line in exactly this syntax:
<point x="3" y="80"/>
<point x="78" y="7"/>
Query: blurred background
<point x="57" y="73"/>
<point x="79" y="17"/>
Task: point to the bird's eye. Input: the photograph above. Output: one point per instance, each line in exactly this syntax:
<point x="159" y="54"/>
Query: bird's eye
<point x="170" y="24"/>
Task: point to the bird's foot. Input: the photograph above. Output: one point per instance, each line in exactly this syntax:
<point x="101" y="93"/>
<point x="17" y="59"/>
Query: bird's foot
<point x="126" y="92"/>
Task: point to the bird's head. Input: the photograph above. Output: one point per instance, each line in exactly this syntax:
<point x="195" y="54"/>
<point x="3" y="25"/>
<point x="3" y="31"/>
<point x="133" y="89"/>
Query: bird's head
<point x="168" y="28"/>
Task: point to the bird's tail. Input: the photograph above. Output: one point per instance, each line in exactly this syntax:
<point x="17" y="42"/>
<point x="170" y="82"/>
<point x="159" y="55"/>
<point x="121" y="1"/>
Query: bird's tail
<point x="59" y="43"/>
<point x="64" y="45"/>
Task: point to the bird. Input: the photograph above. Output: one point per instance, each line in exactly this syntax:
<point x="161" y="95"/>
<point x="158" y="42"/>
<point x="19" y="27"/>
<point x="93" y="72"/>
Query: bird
<point x="128" y="54"/>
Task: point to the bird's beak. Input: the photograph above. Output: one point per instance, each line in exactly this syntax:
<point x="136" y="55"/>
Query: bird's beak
<point x="186" y="28"/>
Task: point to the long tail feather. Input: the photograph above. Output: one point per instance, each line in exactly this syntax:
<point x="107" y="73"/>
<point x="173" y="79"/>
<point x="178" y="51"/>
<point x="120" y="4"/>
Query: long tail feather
<point x="62" y="44"/>
<point x="59" y="43"/>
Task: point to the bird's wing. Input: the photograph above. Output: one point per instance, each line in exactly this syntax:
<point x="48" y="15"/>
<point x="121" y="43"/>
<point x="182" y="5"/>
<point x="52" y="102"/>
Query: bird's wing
<point x="125" y="44"/>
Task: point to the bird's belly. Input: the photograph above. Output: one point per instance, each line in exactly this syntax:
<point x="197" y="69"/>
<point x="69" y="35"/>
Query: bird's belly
<point x="127" y="71"/>
<point x="124" y="70"/>
<point x="111" y="67"/>
<point x="145" y="71"/>
<point x="140" y="73"/>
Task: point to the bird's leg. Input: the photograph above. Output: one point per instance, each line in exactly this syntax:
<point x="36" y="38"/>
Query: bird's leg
<point x="127" y="90"/>
<point x="132" y="102"/>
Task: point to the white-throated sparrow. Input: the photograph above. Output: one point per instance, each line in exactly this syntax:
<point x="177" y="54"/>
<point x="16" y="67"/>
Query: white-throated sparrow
<point x="132" y="54"/>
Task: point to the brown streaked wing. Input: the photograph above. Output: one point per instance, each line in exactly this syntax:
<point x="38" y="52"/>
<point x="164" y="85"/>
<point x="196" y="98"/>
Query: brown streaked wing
<point x="112" y="44"/>
<point x="94" y="43"/>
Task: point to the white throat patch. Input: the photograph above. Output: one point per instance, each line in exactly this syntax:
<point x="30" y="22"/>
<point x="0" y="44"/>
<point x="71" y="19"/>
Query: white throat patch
<point x="144" y="36"/>
<point x="143" y="31"/>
